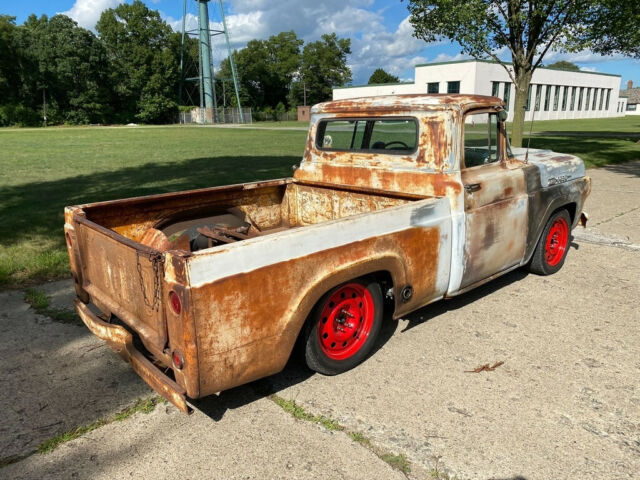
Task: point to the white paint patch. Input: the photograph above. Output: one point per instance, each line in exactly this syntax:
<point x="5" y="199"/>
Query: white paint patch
<point x="208" y="266"/>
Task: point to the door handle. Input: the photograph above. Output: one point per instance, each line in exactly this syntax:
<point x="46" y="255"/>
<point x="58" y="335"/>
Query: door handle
<point x="472" y="187"/>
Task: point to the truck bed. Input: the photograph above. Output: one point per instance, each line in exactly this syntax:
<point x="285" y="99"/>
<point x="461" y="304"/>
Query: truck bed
<point x="117" y="248"/>
<point x="176" y="221"/>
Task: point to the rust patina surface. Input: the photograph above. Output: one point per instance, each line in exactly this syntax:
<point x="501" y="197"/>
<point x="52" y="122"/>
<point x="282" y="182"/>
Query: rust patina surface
<point x="246" y="264"/>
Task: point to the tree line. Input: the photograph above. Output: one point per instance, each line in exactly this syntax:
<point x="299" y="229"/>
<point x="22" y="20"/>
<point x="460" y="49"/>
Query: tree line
<point x="130" y="70"/>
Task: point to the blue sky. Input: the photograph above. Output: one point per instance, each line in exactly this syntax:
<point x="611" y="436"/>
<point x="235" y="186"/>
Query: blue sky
<point x="379" y="29"/>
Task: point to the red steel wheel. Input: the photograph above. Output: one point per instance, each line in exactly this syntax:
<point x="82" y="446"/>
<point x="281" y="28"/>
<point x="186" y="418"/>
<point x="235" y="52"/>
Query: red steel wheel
<point x="553" y="245"/>
<point x="557" y="241"/>
<point x="343" y="326"/>
<point x="345" y="321"/>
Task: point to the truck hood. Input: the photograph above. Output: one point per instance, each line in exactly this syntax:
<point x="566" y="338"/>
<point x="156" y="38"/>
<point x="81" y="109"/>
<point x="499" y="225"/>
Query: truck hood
<point x="554" y="167"/>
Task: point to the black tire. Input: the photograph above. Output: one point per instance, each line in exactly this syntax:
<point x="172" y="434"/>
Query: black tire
<point x="343" y="326"/>
<point x="553" y="245"/>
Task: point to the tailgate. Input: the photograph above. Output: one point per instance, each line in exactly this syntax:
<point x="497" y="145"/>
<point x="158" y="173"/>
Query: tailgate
<point x="122" y="277"/>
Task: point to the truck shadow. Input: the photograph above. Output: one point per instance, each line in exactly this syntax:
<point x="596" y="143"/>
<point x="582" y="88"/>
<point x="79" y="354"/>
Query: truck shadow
<point x="436" y="309"/>
<point x="295" y="372"/>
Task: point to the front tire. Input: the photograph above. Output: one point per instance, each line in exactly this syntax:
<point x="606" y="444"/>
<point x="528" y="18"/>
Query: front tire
<point x="553" y="245"/>
<point x="343" y="326"/>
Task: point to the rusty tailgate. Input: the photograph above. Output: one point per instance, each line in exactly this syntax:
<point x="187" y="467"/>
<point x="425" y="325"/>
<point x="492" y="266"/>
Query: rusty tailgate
<point x="123" y="278"/>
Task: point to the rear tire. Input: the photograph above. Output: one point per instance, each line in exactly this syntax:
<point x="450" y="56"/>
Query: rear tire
<point x="343" y="326"/>
<point x="553" y="245"/>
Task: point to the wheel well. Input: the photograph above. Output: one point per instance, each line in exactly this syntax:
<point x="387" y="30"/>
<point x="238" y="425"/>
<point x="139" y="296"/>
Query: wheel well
<point x="569" y="207"/>
<point x="385" y="280"/>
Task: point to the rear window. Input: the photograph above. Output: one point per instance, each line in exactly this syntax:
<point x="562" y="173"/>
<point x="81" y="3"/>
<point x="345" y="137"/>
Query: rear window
<point x="389" y="135"/>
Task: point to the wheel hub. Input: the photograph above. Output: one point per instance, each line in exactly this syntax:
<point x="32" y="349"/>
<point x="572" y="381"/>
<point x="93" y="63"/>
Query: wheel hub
<point x="345" y="321"/>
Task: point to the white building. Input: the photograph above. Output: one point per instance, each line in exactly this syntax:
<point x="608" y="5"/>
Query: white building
<point x="553" y="94"/>
<point x="632" y="97"/>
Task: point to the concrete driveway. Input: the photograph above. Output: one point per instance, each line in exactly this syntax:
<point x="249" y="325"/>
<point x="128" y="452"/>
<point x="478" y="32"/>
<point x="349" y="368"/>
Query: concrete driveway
<point x="565" y="402"/>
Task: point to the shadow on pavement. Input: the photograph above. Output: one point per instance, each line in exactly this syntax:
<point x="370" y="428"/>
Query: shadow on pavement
<point x="629" y="168"/>
<point x="435" y="309"/>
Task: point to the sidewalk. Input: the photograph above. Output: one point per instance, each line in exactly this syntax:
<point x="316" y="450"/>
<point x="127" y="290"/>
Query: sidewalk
<point x="565" y="403"/>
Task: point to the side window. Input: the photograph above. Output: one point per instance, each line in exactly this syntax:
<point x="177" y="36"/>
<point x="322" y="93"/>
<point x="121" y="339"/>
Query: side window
<point x="481" y="139"/>
<point x="392" y="135"/>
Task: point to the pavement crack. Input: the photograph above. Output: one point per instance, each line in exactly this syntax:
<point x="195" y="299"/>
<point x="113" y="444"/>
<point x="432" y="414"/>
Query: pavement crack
<point x="618" y="215"/>
<point x="396" y="461"/>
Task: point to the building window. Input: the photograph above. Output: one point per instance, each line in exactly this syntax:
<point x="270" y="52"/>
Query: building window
<point x="595" y="99"/>
<point x="527" y="105"/>
<point x="580" y="98"/>
<point x="631" y="107"/>
<point x="433" y="87"/>
<point x="586" y="102"/>
<point x="507" y="94"/>
<point x="547" y="98"/>
<point x="556" y="96"/>
<point x="453" y="87"/>
<point x="538" y="96"/>
<point x="573" y="99"/>
<point x="565" y="91"/>
<point x="601" y="104"/>
<point x="495" y="89"/>
<point x="606" y="107"/>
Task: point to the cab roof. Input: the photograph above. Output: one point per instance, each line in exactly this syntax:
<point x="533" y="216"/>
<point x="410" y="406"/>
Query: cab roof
<point x="409" y="102"/>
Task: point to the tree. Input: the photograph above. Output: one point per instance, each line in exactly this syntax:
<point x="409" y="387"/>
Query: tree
<point x="266" y="69"/>
<point x="380" y="76"/>
<point x="611" y="26"/>
<point x="144" y="67"/>
<point x="528" y="30"/>
<point x="324" y="66"/>
<point x="71" y="76"/>
<point x="564" y="65"/>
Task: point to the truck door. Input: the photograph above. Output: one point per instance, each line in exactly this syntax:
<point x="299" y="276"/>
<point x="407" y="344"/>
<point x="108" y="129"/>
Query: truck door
<point x="495" y="200"/>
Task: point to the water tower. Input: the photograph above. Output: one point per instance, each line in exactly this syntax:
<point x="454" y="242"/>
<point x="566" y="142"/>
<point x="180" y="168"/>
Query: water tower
<point x="206" y="78"/>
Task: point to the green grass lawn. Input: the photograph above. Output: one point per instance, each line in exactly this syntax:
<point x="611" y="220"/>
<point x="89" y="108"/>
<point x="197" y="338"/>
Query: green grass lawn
<point x="42" y="171"/>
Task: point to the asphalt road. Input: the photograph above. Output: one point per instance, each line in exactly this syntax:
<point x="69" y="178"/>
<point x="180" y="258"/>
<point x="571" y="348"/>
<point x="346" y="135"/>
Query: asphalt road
<point x="564" y="404"/>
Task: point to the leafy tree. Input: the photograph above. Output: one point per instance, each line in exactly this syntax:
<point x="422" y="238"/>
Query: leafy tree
<point x="611" y="26"/>
<point x="324" y="66"/>
<point x="71" y="72"/>
<point x="266" y="69"/>
<point x="380" y="76"/>
<point x="144" y="69"/>
<point x="527" y="29"/>
<point x="564" y="65"/>
<point x="9" y="74"/>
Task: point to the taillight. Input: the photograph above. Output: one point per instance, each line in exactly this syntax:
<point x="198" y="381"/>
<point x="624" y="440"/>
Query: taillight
<point x="178" y="362"/>
<point x="174" y="300"/>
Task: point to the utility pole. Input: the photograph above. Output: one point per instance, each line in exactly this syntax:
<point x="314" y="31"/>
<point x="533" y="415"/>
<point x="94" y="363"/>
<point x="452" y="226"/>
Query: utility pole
<point x="44" y="106"/>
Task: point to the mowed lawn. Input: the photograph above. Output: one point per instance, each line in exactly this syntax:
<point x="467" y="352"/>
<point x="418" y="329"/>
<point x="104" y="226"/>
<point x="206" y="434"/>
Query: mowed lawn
<point x="43" y="170"/>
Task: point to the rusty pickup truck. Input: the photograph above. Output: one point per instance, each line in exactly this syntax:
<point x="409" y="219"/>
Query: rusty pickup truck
<point x="399" y="201"/>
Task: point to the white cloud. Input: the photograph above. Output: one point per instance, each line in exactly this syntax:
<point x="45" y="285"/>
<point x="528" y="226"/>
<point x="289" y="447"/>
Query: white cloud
<point x="87" y="12"/>
<point x="584" y="56"/>
<point x="588" y="69"/>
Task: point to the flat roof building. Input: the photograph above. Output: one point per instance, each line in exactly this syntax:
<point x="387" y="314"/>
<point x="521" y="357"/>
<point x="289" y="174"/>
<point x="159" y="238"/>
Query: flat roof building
<point x="553" y="93"/>
<point x="632" y="97"/>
